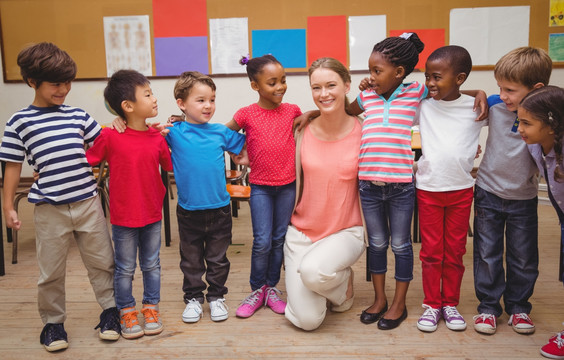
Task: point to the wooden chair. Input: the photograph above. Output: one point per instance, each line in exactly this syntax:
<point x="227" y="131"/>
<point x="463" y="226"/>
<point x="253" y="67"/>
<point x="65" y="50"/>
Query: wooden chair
<point x="237" y="187"/>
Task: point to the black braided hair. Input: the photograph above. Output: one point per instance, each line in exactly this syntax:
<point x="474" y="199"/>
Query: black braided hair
<point x="400" y="51"/>
<point x="547" y="105"/>
<point x="255" y="65"/>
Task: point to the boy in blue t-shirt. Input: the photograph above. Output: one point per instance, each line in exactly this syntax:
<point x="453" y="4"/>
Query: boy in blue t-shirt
<point x="203" y="211"/>
<point x="52" y="135"/>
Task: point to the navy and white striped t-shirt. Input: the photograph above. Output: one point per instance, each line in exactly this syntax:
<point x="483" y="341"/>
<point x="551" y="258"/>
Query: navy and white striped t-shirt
<point x="53" y="139"/>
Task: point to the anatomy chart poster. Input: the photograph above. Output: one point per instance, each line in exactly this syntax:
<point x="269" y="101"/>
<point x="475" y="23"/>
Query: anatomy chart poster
<point x="128" y="44"/>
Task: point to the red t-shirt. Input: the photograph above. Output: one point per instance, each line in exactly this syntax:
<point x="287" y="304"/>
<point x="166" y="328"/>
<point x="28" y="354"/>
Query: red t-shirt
<point x="270" y="143"/>
<point x="136" y="187"/>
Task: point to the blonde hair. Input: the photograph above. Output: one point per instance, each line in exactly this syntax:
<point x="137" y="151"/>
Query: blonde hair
<point x="186" y="82"/>
<point x="525" y="65"/>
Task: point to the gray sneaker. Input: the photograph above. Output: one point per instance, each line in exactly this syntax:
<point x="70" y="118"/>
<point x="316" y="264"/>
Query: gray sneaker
<point x="153" y="323"/>
<point x="130" y="328"/>
<point x="193" y="311"/>
<point x="218" y="310"/>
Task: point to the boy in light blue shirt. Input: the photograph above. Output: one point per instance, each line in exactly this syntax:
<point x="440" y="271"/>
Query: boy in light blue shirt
<point x="203" y="211"/>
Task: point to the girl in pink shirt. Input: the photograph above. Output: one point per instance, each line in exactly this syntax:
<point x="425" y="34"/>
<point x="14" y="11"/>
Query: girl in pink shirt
<point x="271" y="150"/>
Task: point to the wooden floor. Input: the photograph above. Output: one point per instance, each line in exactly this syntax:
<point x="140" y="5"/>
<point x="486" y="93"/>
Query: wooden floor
<point x="266" y="334"/>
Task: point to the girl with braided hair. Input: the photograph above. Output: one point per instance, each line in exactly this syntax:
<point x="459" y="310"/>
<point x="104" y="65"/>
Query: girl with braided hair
<point x="386" y="185"/>
<point x="541" y="125"/>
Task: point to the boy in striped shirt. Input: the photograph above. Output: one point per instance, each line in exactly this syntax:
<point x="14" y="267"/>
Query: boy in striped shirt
<point x="52" y="135"/>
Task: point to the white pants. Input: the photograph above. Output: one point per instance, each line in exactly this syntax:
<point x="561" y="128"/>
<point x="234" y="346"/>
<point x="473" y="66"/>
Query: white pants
<point x="317" y="272"/>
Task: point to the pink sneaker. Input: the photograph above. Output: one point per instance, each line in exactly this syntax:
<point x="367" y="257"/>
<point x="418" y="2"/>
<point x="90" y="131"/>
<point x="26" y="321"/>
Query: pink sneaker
<point x="251" y="303"/>
<point x="273" y="300"/>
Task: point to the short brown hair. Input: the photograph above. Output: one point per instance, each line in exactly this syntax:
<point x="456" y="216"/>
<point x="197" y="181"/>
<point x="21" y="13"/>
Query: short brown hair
<point x="187" y="81"/>
<point x="525" y="65"/>
<point x="46" y="62"/>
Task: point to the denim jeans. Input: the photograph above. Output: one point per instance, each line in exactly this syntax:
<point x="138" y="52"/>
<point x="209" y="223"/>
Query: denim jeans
<point x="126" y="241"/>
<point x="494" y="216"/>
<point x="271" y="210"/>
<point x="388" y="211"/>
<point x="205" y="236"/>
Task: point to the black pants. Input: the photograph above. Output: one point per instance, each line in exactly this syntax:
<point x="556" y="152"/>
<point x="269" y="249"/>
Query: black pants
<point x="205" y="236"/>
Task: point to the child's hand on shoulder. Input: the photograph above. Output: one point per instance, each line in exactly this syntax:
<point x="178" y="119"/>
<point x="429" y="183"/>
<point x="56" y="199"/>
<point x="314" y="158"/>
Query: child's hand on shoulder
<point x="162" y="128"/>
<point x="118" y="125"/>
<point x="175" y="118"/>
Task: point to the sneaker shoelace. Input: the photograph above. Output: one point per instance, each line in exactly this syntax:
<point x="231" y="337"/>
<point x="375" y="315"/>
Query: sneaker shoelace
<point x="559" y="339"/>
<point x="452" y="312"/>
<point x="53" y="332"/>
<point x="130" y="319"/>
<point x="220" y="303"/>
<point x="253" y="298"/>
<point x="151" y="315"/>
<point x="109" y="320"/>
<point x="430" y="314"/>
<point x="521" y="316"/>
<point x="272" y="294"/>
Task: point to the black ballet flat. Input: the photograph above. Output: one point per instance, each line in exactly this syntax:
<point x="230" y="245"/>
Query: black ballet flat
<point x="370" y="318"/>
<point x="389" y="324"/>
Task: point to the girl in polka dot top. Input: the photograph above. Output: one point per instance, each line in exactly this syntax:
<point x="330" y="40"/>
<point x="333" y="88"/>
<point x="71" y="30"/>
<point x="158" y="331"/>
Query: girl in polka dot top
<point x="271" y="151"/>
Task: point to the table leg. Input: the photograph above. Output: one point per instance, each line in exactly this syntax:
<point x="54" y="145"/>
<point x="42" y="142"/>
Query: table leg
<point x="166" y="208"/>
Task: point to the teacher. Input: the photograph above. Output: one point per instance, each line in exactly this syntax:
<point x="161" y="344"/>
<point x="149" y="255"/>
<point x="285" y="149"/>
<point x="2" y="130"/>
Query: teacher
<point x="326" y="236"/>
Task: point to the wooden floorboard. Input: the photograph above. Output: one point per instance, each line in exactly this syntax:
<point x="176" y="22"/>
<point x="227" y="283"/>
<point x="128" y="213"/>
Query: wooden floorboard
<point x="266" y="334"/>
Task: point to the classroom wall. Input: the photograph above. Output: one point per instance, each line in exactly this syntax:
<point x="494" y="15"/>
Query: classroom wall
<point x="232" y="94"/>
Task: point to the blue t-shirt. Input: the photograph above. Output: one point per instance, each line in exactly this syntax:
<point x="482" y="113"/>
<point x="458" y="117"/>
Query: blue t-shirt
<point x="198" y="158"/>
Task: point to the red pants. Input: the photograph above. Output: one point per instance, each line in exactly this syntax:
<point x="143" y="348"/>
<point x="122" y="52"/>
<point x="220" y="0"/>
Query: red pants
<point x="444" y="220"/>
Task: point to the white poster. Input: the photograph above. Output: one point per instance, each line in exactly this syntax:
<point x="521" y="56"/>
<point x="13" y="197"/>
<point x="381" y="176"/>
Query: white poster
<point x="364" y="33"/>
<point x="489" y="33"/>
<point x="229" y="41"/>
<point x="128" y="44"/>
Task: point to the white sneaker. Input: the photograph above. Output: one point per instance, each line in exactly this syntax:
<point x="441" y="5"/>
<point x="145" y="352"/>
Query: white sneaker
<point x="193" y="311"/>
<point x="218" y="310"/>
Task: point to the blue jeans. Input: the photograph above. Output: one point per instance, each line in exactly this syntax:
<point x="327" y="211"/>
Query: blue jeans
<point x="388" y="211"/>
<point x="271" y="210"/>
<point x="126" y="241"/>
<point x="518" y="220"/>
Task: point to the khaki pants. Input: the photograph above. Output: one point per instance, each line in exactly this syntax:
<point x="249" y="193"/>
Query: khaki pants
<point x="317" y="272"/>
<point x="55" y="227"/>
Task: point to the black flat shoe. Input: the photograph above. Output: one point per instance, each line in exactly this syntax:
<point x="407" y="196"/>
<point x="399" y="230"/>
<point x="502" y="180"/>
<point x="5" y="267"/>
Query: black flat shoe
<point x="389" y="324"/>
<point x="370" y="318"/>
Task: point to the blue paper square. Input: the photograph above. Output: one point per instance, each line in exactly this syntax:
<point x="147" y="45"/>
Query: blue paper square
<point x="287" y="46"/>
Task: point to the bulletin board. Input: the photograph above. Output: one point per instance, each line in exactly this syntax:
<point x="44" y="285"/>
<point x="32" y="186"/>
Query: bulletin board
<point x="77" y="25"/>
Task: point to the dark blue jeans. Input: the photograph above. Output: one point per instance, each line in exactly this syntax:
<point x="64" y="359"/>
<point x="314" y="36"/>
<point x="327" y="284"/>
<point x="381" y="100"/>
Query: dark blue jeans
<point x="205" y="236"/>
<point x="387" y="212"/>
<point x="495" y="217"/>
<point x="271" y="210"/>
